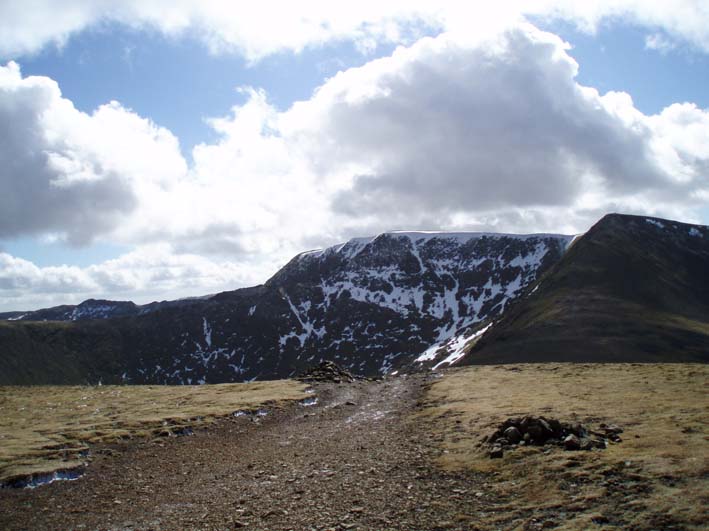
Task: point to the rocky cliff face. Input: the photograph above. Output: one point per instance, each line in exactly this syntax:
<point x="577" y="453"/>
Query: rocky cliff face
<point x="371" y="305"/>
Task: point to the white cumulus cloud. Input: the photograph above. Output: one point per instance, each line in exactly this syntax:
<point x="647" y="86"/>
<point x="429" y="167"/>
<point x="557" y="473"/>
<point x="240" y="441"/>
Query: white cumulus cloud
<point x="257" y="29"/>
<point x="68" y="172"/>
<point x="146" y="274"/>
<point x="489" y="131"/>
<point x="455" y="131"/>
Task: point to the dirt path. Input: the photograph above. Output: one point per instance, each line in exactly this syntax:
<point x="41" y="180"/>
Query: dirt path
<point x="355" y="460"/>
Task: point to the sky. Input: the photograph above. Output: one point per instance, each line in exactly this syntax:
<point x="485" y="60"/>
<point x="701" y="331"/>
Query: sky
<point x="153" y="150"/>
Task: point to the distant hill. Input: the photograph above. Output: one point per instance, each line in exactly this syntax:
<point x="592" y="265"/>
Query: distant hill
<point x="94" y="309"/>
<point x="632" y="289"/>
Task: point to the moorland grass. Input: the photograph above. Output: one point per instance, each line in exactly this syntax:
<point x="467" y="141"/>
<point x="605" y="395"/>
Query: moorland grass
<point x="47" y="428"/>
<point x="656" y="478"/>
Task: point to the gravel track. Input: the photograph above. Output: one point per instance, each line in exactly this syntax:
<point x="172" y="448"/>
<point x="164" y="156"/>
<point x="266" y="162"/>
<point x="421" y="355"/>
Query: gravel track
<point x="355" y="460"/>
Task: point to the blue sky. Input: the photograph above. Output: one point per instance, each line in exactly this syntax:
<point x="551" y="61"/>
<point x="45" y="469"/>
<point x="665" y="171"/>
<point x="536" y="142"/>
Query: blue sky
<point x="280" y="186"/>
<point x="616" y="58"/>
<point x="159" y="77"/>
<point x="141" y="70"/>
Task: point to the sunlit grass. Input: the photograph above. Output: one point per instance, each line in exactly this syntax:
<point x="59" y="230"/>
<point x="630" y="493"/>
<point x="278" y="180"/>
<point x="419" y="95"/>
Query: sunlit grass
<point x="45" y="428"/>
<point x="660" y="468"/>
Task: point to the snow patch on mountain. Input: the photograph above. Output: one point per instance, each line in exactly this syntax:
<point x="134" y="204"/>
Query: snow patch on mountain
<point x="456" y="347"/>
<point x="442" y="282"/>
<point x="207" y="332"/>
<point x="355" y="246"/>
<point x="655" y="222"/>
<point x="388" y="286"/>
<point x="307" y="326"/>
<point x="99" y="311"/>
<point x="399" y="299"/>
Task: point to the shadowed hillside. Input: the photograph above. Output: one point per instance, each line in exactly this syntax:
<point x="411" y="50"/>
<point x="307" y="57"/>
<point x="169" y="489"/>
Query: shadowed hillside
<point x="631" y="289"/>
<point x="56" y="352"/>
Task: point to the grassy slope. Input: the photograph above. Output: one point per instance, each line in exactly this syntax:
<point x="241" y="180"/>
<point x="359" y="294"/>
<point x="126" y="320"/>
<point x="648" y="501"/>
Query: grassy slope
<point x="655" y="479"/>
<point x="625" y="291"/>
<point x="60" y="352"/>
<point x="44" y="428"/>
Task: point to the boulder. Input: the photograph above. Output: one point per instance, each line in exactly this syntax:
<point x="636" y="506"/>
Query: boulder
<point x="586" y="444"/>
<point x="578" y="430"/>
<point x="496" y="452"/>
<point x="539" y="431"/>
<point x="513" y="435"/>
<point x="571" y="442"/>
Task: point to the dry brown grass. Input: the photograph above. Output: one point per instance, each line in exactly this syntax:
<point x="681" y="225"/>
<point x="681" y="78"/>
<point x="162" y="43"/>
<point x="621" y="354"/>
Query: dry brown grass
<point x="657" y="478"/>
<point x="46" y="428"/>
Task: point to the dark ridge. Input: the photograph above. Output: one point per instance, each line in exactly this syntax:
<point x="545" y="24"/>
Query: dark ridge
<point x="632" y="289"/>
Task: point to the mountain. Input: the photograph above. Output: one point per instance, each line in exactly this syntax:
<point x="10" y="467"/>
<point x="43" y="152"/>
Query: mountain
<point x="372" y="305"/>
<point x="92" y="309"/>
<point x="631" y="289"/>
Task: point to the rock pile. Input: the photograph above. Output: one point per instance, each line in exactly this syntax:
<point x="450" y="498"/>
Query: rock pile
<point x="327" y="371"/>
<point x="541" y="431"/>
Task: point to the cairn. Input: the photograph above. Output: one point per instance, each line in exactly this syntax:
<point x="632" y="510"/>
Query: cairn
<point x="327" y="371"/>
<point x="541" y="431"/>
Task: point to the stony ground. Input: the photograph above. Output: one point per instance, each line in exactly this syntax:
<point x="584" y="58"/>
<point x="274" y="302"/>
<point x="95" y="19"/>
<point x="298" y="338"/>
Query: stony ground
<point x="355" y="460"/>
<point x="407" y="453"/>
